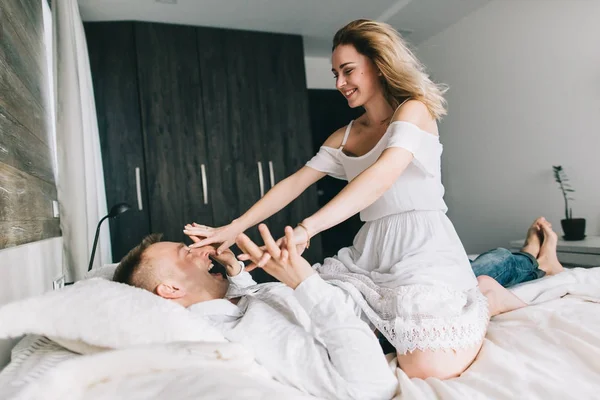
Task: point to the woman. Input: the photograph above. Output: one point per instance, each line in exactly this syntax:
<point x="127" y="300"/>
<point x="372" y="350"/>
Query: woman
<point x="407" y="261"/>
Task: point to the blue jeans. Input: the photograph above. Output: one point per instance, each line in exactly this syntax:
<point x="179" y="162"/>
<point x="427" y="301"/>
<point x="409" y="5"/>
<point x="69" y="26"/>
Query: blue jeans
<point x="506" y="267"/>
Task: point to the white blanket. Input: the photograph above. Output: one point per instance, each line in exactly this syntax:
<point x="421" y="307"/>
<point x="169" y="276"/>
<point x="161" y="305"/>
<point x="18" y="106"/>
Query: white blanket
<point x="550" y="350"/>
<point x="183" y="370"/>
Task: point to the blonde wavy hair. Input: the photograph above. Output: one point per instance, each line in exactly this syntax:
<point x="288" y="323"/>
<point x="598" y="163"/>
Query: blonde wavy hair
<point x="403" y="75"/>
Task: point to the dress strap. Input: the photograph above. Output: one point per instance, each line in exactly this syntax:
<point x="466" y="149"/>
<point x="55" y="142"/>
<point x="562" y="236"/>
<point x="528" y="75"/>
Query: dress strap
<point x="346" y="135"/>
<point x="401" y="104"/>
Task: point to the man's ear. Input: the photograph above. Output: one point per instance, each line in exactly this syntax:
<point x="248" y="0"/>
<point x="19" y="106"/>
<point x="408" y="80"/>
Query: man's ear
<point x="169" y="291"/>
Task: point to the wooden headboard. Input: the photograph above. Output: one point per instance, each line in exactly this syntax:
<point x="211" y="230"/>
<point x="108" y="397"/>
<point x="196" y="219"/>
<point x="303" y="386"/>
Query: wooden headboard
<point x="27" y="185"/>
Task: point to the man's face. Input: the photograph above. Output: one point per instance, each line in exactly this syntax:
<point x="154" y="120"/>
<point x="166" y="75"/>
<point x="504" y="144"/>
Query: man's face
<point x="189" y="269"/>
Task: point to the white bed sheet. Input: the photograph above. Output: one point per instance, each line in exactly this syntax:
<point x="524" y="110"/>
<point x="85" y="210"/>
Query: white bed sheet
<point x="550" y="350"/>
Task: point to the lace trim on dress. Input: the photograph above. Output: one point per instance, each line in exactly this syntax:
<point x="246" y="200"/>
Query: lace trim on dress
<point x="415" y="317"/>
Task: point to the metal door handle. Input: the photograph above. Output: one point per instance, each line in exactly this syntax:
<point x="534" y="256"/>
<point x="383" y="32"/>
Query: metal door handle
<point x="204" y="184"/>
<point x="271" y="173"/>
<point x="261" y="181"/>
<point x="138" y="188"/>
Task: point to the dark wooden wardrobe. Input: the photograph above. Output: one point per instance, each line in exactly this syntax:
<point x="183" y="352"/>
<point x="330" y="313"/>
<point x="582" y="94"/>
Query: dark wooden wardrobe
<point x="196" y="124"/>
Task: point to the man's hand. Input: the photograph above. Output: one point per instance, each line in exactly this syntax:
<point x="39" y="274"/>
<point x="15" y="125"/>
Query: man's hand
<point x="226" y="258"/>
<point x="300" y="236"/>
<point x="285" y="263"/>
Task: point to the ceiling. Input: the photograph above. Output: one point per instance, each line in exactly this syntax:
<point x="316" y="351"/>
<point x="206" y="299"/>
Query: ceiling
<point x="316" y="20"/>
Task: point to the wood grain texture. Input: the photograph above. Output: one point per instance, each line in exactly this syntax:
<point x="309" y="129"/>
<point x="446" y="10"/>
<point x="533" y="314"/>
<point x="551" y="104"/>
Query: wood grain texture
<point x="27" y="16"/>
<point x="266" y="49"/>
<point x="17" y="49"/>
<point x="173" y="127"/>
<point x="27" y="187"/>
<point x="31" y="14"/>
<point x="296" y="131"/>
<point x="223" y="132"/>
<point x="17" y="101"/>
<point x="22" y="150"/>
<point x="15" y="233"/>
<point x="111" y="46"/>
<point x="250" y="110"/>
<point x="24" y="197"/>
<point x="250" y="125"/>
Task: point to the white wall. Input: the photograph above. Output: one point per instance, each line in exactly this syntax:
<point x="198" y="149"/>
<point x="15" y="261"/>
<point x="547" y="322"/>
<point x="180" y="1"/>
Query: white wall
<point x="318" y="73"/>
<point x="27" y="270"/>
<point x="524" y="95"/>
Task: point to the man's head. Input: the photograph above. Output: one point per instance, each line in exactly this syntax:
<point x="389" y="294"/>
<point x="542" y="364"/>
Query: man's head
<point x="172" y="271"/>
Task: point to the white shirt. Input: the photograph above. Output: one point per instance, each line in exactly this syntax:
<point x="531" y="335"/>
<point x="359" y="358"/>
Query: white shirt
<point x="310" y="338"/>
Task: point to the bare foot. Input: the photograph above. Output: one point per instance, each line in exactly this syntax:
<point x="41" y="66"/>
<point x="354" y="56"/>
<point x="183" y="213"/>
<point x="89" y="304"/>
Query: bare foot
<point x="534" y="239"/>
<point x="500" y="300"/>
<point x="547" y="259"/>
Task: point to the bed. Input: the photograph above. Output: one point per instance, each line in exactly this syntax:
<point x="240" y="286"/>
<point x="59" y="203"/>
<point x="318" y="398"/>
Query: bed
<point x="549" y="350"/>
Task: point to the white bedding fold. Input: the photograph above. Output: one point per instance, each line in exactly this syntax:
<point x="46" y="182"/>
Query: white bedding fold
<point x="225" y="362"/>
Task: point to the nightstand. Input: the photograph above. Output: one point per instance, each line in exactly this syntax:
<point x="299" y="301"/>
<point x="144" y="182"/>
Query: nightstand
<point x="582" y="253"/>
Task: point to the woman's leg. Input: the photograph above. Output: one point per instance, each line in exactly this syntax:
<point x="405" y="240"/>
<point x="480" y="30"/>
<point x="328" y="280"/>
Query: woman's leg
<point x="441" y="364"/>
<point x="500" y="300"/>
<point x="445" y="364"/>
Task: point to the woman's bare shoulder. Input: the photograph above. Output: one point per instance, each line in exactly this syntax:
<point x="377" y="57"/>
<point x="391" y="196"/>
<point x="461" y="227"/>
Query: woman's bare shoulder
<point x="417" y="113"/>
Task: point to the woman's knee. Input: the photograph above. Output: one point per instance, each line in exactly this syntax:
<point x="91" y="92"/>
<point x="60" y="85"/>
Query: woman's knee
<point x="486" y="283"/>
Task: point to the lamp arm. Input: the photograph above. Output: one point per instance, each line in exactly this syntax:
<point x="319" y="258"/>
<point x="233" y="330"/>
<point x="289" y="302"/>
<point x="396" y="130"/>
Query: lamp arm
<point x="95" y="243"/>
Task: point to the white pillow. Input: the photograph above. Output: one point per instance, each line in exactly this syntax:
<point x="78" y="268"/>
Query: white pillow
<point x="106" y="315"/>
<point x="107" y="271"/>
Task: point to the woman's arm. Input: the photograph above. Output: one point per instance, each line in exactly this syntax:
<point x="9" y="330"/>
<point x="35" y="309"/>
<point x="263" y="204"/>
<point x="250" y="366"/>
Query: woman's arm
<point x="279" y="196"/>
<point x="373" y="182"/>
<point x="363" y="191"/>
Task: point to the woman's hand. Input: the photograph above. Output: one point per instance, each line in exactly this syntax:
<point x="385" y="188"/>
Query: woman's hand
<point x="223" y="236"/>
<point x="284" y="262"/>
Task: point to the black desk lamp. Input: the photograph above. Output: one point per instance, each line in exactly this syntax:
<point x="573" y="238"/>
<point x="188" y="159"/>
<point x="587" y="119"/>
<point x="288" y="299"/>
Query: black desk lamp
<point x="117" y="209"/>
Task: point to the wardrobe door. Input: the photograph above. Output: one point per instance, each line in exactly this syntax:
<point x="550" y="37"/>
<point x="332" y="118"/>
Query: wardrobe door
<point x="173" y="125"/>
<point x="295" y="128"/>
<point x="111" y="50"/>
<point x="269" y="64"/>
<point x="239" y="171"/>
<point x="329" y="111"/>
<point x="230" y="120"/>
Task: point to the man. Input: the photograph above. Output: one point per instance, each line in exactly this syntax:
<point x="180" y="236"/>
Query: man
<point x="537" y="258"/>
<point x="305" y="332"/>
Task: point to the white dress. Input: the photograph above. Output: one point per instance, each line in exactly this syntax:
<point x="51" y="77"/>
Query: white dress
<point x="407" y="268"/>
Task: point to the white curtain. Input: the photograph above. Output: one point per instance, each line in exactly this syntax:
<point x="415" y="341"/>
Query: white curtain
<point x="80" y="185"/>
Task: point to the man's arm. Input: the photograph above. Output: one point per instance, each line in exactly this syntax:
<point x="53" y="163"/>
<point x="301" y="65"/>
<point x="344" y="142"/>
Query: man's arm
<point x="242" y="279"/>
<point x="354" y="365"/>
<point x="340" y="357"/>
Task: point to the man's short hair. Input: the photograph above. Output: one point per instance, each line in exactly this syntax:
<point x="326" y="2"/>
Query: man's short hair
<point x="134" y="269"/>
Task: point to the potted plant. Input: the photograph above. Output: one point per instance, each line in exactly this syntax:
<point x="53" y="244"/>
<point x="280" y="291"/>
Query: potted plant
<point x="573" y="228"/>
